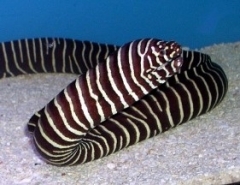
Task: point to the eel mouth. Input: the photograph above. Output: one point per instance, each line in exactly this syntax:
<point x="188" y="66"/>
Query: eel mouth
<point x="173" y="65"/>
<point x="168" y="69"/>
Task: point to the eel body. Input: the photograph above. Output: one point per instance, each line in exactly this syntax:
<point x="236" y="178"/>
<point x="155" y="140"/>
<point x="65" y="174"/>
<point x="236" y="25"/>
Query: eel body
<point x="123" y="95"/>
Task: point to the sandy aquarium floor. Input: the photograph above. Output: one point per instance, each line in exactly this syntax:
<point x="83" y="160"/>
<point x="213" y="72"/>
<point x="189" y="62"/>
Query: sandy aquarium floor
<point x="203" y="151"/>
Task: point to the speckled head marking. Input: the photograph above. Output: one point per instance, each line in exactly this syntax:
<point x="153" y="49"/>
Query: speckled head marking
<point x="159" y="60"/>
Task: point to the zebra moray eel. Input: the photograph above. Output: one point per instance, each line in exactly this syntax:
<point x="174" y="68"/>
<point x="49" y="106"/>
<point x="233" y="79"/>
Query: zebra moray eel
<point x="198" y="88"/>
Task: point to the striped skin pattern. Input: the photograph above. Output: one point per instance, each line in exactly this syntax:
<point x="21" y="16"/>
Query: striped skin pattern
<point x="107" y="89"/>
<point x="128" y="74"/>
<point x="199" y="87"/>
<point x="50" y="55"/>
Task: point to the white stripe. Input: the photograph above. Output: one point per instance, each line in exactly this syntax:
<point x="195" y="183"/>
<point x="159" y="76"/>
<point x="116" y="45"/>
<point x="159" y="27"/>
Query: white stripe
<point x="104" y="94"/>
<point x="90" y="55"/>
<point x="152" y="67"/>
<point x="29" y="58"/>
<point x="84" y="106"/>
<point x="34" y="50"/>
<point x="42" y="149"/>
<point x="125" y="131"/>
<point x="92" y="149"/>
<point x="214" y="82"/>
<point x="120" y="69"/>
<point x="66" y="124"/>
<point x="54" y="45"/>
<point x="63" y="56"/>
<point x="94" y="96"/>
<point x="96" y="142"/>
<point x="158" y="77"/>
<point x="98" y="53"/>
<point x="156" y="101"/>
<point x="180" y="105"/>
<point x="83" y="56"/>
<point x="77" y="157"/>
<point x="71" y="156"/>
<point x="168" y="113"/>
<point x="49" y="140"/>
<point x="191" y="61"/>
<point x="85" y="149"/>
<point x="150" y="110"/>
<point x="74" y="116"/>
<point x="41" y="54"/>
<point x="189" y="96"/>
<point x="15" y="59"/>
<point x="207" y="88"/>
<point x="71" y="64"/>
<point x="198" y="92"/>
<point x="107" y="51"/>
<point x="224" y="88"/>
<point x="74" y="56"/>
<point x="115" y="88"/>
<point x="143" y="70"/>
<point x="113" y="137"/>
<point x="6" y="60"/>
<point x="134" y="108"/>
<point x="137" y="132"/>
<point x="20" y="50"/>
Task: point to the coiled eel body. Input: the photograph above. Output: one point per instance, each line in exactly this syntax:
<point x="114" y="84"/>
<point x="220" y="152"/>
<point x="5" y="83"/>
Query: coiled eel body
<point x="63" y="136"/>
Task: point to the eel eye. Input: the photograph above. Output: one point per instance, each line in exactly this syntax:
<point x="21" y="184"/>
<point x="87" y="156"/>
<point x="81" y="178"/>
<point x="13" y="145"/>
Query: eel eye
<point x="149" y="76"/>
